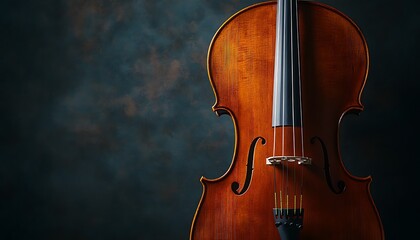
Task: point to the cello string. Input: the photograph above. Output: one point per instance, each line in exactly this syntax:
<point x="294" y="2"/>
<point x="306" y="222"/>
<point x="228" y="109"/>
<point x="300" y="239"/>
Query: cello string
<point x="280" y="27"/>
<point x="292" y="58"/>
<point x="275" y="97"/>
<point x="300" y="103"/>
<point x="284" y="186"/>
<point x="292" y="77"/>
<point x="275" y="110"/>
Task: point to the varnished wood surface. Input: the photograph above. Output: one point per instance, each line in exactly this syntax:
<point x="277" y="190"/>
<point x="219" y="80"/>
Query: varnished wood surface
<point x="334" y="65"/>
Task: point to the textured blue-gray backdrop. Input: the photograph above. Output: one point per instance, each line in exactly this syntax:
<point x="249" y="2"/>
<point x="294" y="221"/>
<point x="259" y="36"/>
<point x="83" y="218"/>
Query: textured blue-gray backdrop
<point x="106" y="121"/>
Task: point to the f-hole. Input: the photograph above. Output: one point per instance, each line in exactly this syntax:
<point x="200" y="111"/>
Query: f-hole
<point x="249" y="168"/>
<point x="341" y="185"/>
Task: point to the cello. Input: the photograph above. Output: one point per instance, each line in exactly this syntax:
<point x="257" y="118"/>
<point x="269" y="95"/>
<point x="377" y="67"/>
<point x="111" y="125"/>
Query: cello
<point x="287" y="72"/>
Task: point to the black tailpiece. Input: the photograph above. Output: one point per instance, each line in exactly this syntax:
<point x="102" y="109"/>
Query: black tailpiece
<point x="289" y="222"/>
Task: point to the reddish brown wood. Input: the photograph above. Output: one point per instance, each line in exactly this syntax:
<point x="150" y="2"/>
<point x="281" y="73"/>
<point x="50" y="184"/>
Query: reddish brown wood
<point x="334" y="65"/>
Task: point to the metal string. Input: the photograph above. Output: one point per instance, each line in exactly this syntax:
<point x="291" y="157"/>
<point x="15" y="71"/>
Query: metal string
<point x="300" y="96"/>
<point x="277" y="69"/>
<point x="283" y="27"/>
<point x="283" y="95"/>
<point x="293" y="98"/>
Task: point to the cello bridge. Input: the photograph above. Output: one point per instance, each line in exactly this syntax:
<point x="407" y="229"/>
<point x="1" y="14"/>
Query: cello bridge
<point x="277" y="160"/>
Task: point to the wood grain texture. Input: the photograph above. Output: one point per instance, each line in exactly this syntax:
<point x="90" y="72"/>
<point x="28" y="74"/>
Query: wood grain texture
<point x="334" y="65"/>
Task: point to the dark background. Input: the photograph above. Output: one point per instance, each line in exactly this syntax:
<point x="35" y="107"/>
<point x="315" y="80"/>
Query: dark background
<point x="106" y="121"/>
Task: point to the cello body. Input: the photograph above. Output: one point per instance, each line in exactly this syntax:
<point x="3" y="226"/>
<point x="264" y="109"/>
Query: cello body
<point x="334" y="64"/>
